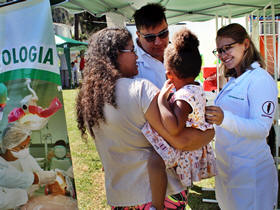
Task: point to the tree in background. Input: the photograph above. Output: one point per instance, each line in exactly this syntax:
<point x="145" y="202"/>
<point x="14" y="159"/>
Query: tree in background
<point x="90" y="24"/>
<point x="84" y="23"/>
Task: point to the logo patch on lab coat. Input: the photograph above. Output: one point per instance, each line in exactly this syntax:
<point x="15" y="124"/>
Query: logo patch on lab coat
<point x="268" y="108"/>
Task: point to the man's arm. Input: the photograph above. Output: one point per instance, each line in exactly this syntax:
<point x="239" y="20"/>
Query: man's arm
<point x="189" y="139"/>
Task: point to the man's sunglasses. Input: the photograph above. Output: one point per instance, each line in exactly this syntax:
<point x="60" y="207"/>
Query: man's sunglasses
<point x="152" y="37"/>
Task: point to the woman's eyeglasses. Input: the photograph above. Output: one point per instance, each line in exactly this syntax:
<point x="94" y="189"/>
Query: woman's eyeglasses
<point x="128" y="51"/>
<point x="152" y="37"/>
<point x="224" y="49"/>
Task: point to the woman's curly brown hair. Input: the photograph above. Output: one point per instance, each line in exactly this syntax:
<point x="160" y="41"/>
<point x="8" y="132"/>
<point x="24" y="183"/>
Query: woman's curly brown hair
<point x="100" y="75"/>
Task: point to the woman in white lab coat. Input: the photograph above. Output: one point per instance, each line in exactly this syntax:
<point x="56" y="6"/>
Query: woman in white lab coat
<point x="244" y="111"/>
<point x="19" y="172"/>
<point x="13" y="185"/>
<point x="15" y="148"/>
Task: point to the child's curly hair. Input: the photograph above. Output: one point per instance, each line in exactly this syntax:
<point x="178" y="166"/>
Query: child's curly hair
<point x="183" y="56"/>
<point x="100" y="75"/>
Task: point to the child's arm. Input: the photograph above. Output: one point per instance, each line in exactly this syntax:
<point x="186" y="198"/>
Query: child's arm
<point x="181" y="110"/>
<point x="173" y="117"/>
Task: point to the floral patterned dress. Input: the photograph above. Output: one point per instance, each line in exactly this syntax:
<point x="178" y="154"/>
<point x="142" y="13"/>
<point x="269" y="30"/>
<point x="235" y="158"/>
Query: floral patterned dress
<point x="189" y="165"/>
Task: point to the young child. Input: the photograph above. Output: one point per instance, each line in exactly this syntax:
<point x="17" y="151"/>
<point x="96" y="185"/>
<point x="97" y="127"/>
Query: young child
<point x="186" y="107"/>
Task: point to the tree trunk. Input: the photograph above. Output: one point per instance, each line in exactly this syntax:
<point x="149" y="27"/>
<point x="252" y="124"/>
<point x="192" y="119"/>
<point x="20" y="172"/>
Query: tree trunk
<point x="76" y="27"/>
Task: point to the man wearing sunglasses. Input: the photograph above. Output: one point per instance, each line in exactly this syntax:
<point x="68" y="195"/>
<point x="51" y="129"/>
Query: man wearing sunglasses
<point x="152" y="39"/>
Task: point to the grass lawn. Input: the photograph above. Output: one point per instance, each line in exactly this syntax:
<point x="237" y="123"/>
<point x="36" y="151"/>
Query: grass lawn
<point x="89" y="178"/>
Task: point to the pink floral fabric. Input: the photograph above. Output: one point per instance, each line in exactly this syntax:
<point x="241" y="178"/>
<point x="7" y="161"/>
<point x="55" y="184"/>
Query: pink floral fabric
<point x="195" y="97"/>
<point x="189" y="165"/>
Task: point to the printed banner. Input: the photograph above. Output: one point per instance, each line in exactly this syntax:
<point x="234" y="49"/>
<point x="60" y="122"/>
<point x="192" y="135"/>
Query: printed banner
<point x="35" y="161"/>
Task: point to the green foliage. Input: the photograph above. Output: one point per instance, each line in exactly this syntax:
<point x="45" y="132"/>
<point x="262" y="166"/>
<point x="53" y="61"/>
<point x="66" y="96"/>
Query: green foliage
<point x="196" y="195"/>
<point x="89" y="178"/>
<point x="90" y="24"/>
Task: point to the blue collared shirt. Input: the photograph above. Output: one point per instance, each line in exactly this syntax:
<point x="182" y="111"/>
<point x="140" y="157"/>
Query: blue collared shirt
<point x="150" y="68"/>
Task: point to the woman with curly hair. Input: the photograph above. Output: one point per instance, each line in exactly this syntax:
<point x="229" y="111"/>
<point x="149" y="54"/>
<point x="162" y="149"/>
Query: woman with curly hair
<point x="113" y="107"/>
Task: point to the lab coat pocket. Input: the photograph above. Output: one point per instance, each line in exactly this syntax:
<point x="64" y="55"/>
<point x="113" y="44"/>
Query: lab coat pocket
<point x="242" y="173"/>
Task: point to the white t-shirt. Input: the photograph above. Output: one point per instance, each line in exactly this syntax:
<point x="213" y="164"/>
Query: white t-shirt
<point x="74" y="68"/>
<point x="123" y="149"/>
<point x="150" y="68"/>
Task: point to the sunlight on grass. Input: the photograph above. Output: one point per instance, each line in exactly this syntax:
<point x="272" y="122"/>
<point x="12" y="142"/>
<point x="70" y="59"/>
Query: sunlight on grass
<point x="89" y="178"/>
<point x="196" y="195"/>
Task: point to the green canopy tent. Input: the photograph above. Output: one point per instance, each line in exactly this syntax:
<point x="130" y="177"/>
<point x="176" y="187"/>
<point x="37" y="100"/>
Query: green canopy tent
<point x="60" y="42"/>
<point x="64" y="44"/>
<point x="176" y="10"/>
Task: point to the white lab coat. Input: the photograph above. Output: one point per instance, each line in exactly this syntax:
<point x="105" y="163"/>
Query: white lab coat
<point x="26" y="164"/>
<point x="12" y="198"/>
<point x="247" y="177"/>
<point x="13" y="185"/>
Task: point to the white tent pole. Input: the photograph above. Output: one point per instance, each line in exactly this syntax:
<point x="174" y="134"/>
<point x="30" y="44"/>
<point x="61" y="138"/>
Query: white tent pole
<point x="264" y="36"/>
<point x="229" y="16"/>
<point x="275" y="78"/>
<point x="258" y="29"/>
<point x="217" y="23"/>
<point x="217" y="63"/>
<point x="274" y="42"/>
<point x="255" y="32"/>
<point x="247" y="23"/>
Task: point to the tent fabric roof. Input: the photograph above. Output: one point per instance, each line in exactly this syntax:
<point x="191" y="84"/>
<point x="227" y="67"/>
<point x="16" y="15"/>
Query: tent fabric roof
<point x="60" y="41"/>
<point x="75" y="45"/>
<point x="176" y="10"/>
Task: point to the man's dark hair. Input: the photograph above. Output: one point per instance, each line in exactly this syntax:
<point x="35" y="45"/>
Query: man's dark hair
<point x="149" y="15"/>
